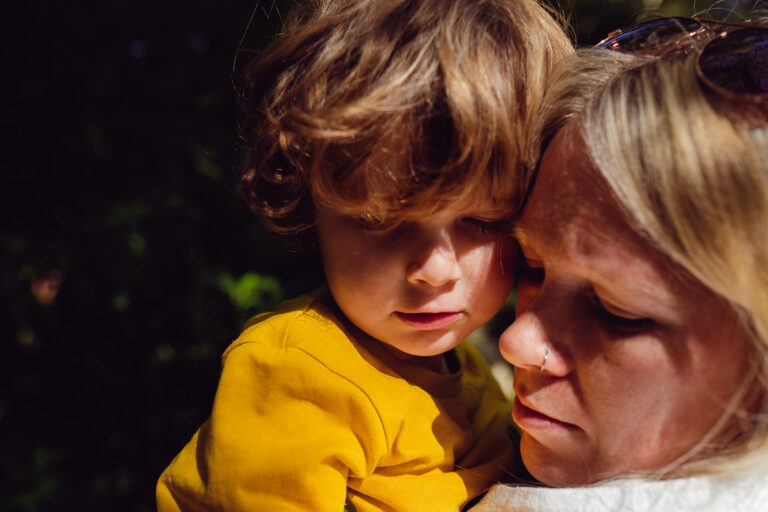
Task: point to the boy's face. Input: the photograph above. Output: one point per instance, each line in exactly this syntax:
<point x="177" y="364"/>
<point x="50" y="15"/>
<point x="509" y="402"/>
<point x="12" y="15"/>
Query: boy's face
<point x="422" y="286"/>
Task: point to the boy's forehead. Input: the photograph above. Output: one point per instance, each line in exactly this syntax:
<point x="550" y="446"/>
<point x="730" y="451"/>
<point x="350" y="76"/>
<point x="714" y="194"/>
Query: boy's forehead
<point x="480" y="199"/>
<point x="478" y="203"/>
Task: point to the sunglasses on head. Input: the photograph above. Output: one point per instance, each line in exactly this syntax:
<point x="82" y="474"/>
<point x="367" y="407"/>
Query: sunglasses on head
<point x="734" y="63"/>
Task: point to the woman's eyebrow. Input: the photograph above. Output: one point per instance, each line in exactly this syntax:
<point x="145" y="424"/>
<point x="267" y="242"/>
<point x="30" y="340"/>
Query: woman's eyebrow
<point x="525" y="236"/>
<point x="519" y="233"/>
<point x="523" y="239"/>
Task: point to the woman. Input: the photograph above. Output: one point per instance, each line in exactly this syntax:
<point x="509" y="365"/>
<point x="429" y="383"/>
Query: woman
<point x="642" y="330"/>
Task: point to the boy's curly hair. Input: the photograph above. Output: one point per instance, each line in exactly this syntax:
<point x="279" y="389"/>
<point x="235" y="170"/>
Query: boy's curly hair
<point x="392" y="108"/>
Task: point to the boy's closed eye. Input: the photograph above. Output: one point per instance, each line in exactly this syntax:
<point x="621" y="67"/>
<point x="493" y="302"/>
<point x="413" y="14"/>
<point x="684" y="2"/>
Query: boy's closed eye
<point x="484" y="226"/>
<point x="489" y="227"/>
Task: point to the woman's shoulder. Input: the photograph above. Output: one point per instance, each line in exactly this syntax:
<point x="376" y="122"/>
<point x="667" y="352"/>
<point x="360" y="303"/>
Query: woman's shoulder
<point x="699" y="494"/>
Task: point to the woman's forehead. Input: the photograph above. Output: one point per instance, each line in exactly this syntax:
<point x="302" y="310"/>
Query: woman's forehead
<point x="567" y="191"/>
<point x="571" y="221"/>
<point x="571" y="211"/>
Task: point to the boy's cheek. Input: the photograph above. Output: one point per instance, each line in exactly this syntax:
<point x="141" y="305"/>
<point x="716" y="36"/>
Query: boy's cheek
<point x="495" y="275"/>
<point x="501" y="261"/>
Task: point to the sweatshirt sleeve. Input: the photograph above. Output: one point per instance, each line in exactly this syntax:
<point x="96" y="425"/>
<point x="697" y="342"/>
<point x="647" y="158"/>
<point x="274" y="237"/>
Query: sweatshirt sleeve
<point x="493" y="456"/>
<point x="285" y="433"/>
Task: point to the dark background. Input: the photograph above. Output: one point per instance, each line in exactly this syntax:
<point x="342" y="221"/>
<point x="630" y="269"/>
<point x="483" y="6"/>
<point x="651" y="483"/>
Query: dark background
<point x="127" y="261"/>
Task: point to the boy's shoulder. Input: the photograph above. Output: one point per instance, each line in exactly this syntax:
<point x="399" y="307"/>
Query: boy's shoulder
<point x="306" y="335"/>
<point x="294" y="323"/>
<point x="307" y="326"/>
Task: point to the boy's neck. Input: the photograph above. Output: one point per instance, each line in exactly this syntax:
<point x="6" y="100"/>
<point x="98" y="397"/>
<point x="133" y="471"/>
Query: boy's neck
<point x="437" y="363"/>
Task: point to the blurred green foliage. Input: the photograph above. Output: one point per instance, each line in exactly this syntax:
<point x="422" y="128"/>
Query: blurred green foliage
<point x="251" y="291"/>
<point x="127" y="261"/>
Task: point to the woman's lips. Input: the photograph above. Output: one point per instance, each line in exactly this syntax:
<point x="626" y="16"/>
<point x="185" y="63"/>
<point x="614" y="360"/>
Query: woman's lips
<point x="529" y="419"/>
<point x="429" y="321"/>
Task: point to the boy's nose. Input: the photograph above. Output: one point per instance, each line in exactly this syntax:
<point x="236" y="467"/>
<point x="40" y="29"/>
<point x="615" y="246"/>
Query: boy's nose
<point x="437" y="265"/>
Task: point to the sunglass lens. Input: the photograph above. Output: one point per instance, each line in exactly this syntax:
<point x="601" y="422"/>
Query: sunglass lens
<point x="738" y="62"/>
<point x="651" y="34"/>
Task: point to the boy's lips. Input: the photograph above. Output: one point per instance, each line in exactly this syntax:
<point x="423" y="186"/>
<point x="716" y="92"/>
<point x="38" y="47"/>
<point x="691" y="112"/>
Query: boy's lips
<point x="429" y="321"/>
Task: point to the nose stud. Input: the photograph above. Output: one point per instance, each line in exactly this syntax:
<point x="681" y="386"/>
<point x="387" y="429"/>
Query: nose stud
<point x="544" y="362"/>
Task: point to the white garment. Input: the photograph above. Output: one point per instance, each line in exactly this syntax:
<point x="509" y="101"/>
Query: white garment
<point x="699" y="494"/>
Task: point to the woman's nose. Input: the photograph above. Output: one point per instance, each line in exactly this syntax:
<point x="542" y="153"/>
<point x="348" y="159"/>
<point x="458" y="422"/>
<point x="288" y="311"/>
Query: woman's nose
<point x="435" y="264"/>
<point x="528" y="343"/>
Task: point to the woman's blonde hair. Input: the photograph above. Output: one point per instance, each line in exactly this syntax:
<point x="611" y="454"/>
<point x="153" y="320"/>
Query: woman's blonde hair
<point x="690" y="170"/>
<point x="391" y="108"/>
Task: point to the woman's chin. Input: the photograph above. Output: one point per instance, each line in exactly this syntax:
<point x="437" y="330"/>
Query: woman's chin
<point x="551" y="468"/>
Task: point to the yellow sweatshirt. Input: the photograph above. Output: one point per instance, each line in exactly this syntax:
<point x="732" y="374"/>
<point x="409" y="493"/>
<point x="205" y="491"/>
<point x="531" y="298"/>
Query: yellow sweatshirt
<point x="308" y="418"/>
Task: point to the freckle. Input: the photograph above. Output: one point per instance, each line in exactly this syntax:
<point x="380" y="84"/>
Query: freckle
<point x="577" y="245"/>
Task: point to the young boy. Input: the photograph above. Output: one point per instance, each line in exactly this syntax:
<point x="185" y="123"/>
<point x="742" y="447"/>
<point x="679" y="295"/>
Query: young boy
<point x="393" y="132"/>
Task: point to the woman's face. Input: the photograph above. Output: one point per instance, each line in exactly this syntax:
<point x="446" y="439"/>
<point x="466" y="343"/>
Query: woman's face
<point x="640" y="359"/>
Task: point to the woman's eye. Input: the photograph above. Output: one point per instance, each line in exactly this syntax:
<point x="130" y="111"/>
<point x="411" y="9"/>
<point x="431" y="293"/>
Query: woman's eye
<point x="485" y="227"/>
<point x="623" y="322"/>
<point x="531" y="272"/>
<point x="530" y="278"/>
